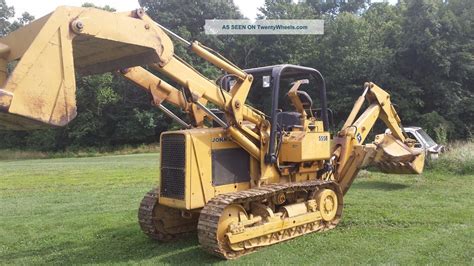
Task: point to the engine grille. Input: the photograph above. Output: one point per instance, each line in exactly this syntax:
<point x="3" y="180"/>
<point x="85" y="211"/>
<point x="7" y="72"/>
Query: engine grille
<point x="173" y="166"/>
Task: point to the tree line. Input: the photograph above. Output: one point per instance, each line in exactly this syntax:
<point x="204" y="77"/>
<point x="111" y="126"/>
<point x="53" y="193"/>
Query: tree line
<point x="421" y="51"/>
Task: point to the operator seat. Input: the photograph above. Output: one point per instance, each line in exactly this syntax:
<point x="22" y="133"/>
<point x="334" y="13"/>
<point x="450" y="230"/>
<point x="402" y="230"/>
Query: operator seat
<point x="289" y="120"/>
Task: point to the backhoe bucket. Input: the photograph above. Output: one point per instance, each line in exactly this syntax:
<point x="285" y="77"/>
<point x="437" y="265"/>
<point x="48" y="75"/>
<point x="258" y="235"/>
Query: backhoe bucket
<point x="38" y="61"/>
<point x="393" y="156"/>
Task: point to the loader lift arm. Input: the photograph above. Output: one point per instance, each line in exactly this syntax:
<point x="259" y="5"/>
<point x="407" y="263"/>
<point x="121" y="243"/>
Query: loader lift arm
<point x="41" y="89"/>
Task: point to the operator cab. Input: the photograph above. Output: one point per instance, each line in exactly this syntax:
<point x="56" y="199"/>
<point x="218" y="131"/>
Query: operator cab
<point x="293" y="109"/>
<point x="286" y="89"/>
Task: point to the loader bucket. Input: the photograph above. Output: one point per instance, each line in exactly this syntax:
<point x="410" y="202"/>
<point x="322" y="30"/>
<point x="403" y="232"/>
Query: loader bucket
<point x="38" y="62"/>
<point x="394" y="156"/>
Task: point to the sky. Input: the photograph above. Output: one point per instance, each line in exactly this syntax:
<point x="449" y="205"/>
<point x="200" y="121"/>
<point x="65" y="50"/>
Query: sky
<point x="40" y="8"/>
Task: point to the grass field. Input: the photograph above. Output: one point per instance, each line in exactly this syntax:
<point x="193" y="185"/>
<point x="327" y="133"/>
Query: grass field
<point x="83" y="210"/>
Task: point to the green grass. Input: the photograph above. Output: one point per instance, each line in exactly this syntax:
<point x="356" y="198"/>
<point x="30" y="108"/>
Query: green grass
<point x="459" y="159"/>
<point x="83" y="210"/>
<point x="25" y="154"/>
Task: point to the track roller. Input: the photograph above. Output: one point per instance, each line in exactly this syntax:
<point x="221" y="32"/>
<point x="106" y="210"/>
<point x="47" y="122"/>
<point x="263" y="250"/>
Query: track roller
<point x="235" y="224"/>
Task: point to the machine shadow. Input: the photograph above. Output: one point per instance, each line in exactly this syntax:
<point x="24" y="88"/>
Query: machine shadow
<point x="125" y="244"/>
<point x="379" y="185"/>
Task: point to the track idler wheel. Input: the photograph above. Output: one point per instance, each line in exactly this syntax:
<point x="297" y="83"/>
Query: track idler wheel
<point x="161" y="222"/>
<point x="326" y="200"/>
<point x="230" y="215"/>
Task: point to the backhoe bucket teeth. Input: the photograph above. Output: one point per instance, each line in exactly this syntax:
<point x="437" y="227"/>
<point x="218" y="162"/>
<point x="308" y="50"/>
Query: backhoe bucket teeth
<point x="38" y="61"/>
<point x="393" y="156"/>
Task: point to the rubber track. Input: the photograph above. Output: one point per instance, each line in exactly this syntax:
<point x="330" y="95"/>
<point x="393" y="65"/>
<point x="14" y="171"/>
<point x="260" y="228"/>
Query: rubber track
<point x="210" y="214"/>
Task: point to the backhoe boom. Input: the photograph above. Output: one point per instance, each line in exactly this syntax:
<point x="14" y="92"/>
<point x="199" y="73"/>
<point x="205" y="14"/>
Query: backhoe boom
<point x="391" y="152"/>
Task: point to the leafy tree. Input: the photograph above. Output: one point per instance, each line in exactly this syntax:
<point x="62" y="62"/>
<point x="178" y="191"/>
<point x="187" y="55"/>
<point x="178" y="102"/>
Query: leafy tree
<point x="106" y="7"/>
<point x="436" y="55"/>
<point x="336" y="7"/>
<point x="22" y="21"/>
<point x="6" y="13"/>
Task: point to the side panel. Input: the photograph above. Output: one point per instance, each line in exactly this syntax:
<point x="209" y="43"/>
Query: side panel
<point x="200" y="190"/>
<point x="212" y="151"/>
<point x="230" y="159"/>
<point x="230" y="166"/>
<point x="198" y="164"/>
<point x="306" y="146"/>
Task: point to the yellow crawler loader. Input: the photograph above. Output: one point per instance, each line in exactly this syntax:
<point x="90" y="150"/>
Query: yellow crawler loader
<point x="250" y="180"/>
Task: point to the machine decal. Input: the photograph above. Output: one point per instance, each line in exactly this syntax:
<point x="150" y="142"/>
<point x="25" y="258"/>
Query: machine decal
<point x="220" y="139"/>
